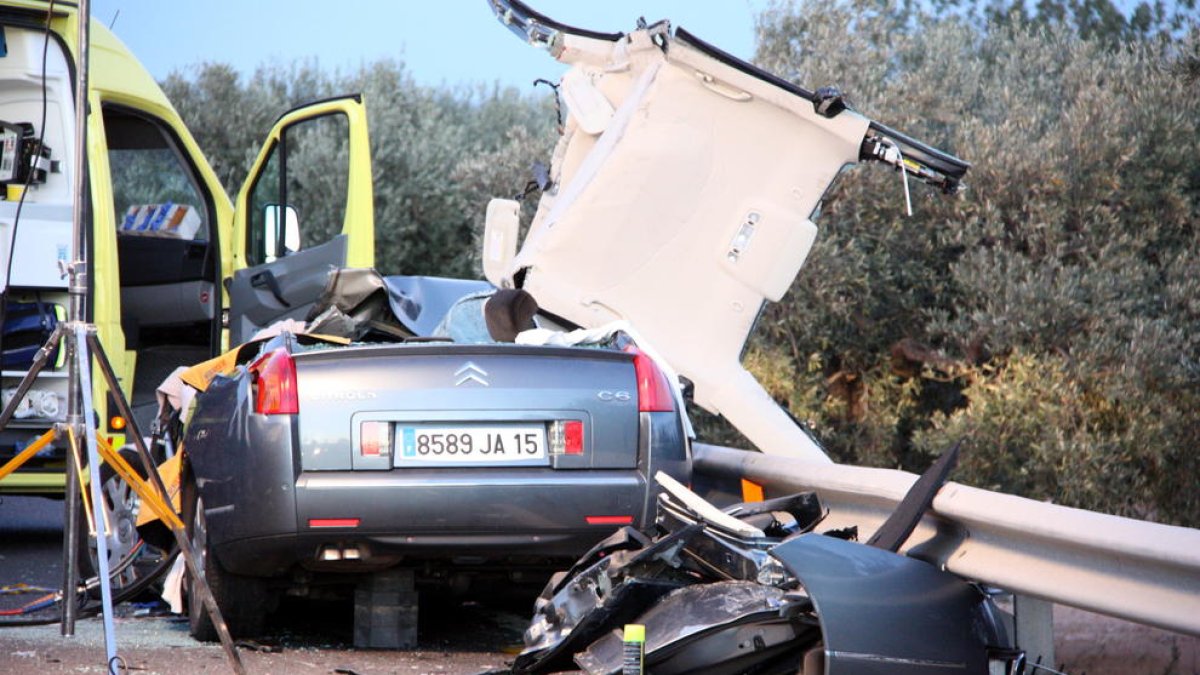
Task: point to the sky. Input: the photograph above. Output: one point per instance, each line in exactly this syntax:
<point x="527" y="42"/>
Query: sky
<point x="441" y="41"/>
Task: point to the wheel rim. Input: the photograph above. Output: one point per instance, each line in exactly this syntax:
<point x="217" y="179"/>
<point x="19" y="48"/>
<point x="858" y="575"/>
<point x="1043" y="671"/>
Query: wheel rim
<point x="132" y="563"/>
<point x="121" y="506"/>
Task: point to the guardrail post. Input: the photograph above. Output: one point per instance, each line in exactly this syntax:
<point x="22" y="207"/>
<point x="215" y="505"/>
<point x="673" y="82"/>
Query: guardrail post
<point x="1034" y="628"/>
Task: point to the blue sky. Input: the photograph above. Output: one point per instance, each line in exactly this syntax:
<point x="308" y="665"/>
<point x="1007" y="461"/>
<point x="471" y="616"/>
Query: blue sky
<point x="441" y="41"/>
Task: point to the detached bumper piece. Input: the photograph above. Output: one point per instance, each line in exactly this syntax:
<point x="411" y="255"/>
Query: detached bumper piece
<point x="754" y="589"/>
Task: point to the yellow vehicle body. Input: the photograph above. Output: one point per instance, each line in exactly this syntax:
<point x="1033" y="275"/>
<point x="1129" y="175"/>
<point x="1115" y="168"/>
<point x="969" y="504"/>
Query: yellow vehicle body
<point x="132" y="124"/>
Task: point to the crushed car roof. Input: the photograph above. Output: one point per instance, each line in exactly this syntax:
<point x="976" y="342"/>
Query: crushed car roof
<point x="681" y="196"/>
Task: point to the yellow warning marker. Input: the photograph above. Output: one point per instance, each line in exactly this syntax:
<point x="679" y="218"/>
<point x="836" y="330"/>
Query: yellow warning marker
<point x="634" y="656"/>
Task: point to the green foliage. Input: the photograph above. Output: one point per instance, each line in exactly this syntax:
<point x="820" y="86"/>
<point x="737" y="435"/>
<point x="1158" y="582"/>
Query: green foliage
<point x="1035" y="427"/>
<point x="1049" y="315"/>
<point x="438" y="154"/>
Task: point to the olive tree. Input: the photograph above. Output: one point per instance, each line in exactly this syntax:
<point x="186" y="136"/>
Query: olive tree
<point x="1048" y="315"/>
<point x="438" y="153"/>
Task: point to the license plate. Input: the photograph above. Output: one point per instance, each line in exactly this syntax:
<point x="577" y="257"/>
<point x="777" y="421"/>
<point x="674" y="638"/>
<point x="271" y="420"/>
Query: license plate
<point x="470" y="444"/>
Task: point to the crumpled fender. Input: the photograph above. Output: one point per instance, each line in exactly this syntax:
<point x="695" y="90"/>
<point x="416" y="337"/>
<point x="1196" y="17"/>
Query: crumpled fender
<point x="881" y="612"/>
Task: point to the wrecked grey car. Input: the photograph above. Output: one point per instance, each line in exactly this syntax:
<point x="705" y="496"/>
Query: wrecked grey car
<point x="433" y="448"/>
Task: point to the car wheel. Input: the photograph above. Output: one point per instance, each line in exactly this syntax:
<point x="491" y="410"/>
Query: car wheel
<point x="242" y="600"/>
<point x="133" y="563"/>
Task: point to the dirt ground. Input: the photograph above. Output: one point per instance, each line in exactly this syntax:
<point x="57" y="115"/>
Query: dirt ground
<point x="468" y="639"/>
<point x="475" y="639"/>
<point x="1089" y="644"/>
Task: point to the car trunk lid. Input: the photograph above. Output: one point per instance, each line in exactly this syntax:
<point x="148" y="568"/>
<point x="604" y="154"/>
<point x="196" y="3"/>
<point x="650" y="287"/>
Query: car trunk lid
<point x="422" y="406"/>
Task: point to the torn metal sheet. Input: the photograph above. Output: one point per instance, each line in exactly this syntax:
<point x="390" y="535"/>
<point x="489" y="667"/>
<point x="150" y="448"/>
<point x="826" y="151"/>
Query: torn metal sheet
<point x="764" y="593"/>
<point x="723" y="627"/>
<point x="357" y="302"/>
<point x="685" y="173"/>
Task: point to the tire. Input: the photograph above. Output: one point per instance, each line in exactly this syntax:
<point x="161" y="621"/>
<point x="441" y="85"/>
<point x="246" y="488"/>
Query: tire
<point x="243" y="601"/>
<point x="134" y="564"/>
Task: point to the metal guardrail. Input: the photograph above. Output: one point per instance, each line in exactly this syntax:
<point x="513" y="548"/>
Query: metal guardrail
<point x="1130" y="569"/>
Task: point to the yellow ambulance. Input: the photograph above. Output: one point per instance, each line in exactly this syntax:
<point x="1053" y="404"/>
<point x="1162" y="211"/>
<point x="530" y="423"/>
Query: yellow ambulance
<point x="175" y="272"/>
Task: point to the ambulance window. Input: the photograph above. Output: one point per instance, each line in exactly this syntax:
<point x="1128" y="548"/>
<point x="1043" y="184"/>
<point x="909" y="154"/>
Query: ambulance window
<point x="302" y="186"/>
<point x="151" y="179"/>
<point x="262" y="243"/>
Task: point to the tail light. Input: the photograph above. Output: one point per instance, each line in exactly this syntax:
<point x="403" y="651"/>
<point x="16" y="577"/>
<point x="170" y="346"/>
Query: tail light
<point x="334" y="522"/>
<point x="654" y="390"/>
<point x="566" y="437"/>
<point x="609" y="520"/>
<point x="375" y="439"/>
<point x="275" y="377"/>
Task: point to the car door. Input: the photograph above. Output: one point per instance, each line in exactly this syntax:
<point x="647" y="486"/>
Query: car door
<point x="306" y="209"/>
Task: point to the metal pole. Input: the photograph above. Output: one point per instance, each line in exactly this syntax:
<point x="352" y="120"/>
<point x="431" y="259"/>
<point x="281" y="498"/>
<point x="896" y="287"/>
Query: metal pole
<point x="190" y="555"/>
<point x="70" y="607"/>
<point x="77" y="284"/>
<point x="78" y="272"/>
<point x="110" y="637"/>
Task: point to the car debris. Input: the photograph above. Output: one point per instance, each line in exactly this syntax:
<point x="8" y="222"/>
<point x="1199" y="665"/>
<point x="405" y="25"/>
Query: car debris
<point x="756" y="588"/>
<point x="309" y="508"/>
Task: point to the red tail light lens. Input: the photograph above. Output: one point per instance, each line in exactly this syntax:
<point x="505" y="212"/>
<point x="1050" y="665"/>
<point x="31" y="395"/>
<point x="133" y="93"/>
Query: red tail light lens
<point x="573" y="435"/>
<point x="654" y="391"/>
<point x="334" y="522"/>
<point x="375" y="439"/>
<point x="275" y="377"/>
<point x="609" y="520"/>
<point x="566" y="437"/>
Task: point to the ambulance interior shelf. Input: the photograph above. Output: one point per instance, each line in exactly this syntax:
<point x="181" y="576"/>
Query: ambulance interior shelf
<point x="30" y="318"/>
<point x="166" y="270"/>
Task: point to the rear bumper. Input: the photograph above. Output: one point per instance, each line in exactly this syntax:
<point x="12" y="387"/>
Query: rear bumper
<point x="260" y="501"/>
<point x="522" y="517"/>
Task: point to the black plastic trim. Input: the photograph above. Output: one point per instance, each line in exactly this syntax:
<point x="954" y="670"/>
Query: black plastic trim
<point x="357" y="98"/>
<point x="916" y="150"/>
<point x="524" y="13"/>
<point x="747" y="68"/>
<point x="27" y="17"/>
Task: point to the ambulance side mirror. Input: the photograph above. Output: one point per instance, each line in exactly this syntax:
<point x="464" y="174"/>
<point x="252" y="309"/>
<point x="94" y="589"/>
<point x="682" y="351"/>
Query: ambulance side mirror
<point x="280" y="243"/>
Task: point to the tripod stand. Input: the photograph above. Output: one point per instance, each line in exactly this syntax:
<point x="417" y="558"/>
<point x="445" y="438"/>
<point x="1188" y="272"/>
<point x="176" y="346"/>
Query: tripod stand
<point x="82" y="346"/>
